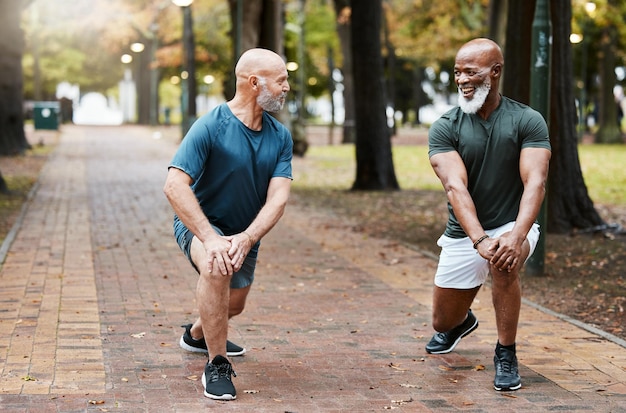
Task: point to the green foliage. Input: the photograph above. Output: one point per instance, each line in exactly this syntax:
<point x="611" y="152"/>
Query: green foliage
<point x="431" y="31"/>
<point x="320" y="38"/>
<point x="82" y="41"/>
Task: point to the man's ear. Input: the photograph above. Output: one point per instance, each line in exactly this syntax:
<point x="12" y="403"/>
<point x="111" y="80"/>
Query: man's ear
<point x="254" y="81"/>
<point x="496" y="70"/>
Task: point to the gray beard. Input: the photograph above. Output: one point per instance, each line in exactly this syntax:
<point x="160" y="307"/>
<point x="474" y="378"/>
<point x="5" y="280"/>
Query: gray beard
<point x="473" y="105"/>
<point x="268" y="102"/>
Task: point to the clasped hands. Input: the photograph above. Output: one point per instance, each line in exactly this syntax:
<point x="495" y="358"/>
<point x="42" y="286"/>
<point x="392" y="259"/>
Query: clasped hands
<point x="503" y="252"/>
<point x="227" y="253"/>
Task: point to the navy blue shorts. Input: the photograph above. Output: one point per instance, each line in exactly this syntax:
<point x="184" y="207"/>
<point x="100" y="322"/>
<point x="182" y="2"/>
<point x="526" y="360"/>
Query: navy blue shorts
<point x="241" y="279"/>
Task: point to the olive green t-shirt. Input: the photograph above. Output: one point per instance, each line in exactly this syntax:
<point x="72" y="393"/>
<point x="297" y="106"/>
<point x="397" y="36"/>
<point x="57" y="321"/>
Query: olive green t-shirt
<point x="490" y="150"/>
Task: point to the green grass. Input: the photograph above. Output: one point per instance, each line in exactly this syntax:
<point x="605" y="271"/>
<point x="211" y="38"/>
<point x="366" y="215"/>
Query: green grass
<point x="604" y="172"/>
<point x="602" y="166"/>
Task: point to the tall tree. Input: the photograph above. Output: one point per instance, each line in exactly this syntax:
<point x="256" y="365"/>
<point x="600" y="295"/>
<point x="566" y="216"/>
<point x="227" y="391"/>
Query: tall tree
<point x="569" y="205"/>
<point x="516" y="83"/>
<point x="12" y="138"/>
<point x="254" y="24"/>
<point x="609" y="130"/>
<point x="375" y="169"/>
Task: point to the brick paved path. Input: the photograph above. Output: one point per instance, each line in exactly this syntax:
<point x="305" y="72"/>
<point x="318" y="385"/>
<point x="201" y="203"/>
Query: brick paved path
<point x="94" y="289"/>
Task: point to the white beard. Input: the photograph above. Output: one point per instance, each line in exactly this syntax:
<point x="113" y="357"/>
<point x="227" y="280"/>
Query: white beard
<point x="268" y="102"/>
<point x="473" y="105"/>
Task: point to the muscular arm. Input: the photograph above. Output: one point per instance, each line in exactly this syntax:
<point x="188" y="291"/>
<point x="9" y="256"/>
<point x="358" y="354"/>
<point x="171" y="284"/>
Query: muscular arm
<point x="277" y="196"/>
<point x="268" y="216"/>
<point x="533" y="167"/>
<point x="451" y="170"/>
<point x="178" y="191"/>
<point x="180" y="195"/>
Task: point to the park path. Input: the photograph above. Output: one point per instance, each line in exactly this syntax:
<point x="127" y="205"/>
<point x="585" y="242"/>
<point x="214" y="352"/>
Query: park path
<point x="93" y="291"/>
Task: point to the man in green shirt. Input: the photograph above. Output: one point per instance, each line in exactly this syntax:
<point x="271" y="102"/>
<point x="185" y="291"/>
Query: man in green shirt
<point x="491" y="155"/>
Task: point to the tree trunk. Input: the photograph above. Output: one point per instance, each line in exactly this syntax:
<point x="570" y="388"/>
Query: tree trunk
<point x="498" y="21"/>
<point x="609" y="131"/>
<point x="373" y="145"/>
<point x="12" y="137"/>
<point x="516" y="83"/>
<point x="342" y="10"/>
<point x="569" y="205"/>
<point x="4" y="189"/>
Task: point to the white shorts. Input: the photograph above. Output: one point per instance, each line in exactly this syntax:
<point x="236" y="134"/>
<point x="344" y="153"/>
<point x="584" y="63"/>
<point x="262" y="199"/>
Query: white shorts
<point x="461" y="266"/>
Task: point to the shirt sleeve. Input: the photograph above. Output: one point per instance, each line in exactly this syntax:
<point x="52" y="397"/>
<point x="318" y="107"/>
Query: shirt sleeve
<point x="193" y="151"/>
<point x="534" y="131"/>
<point x="441" y="138"/>
<point x="283" y="166"/>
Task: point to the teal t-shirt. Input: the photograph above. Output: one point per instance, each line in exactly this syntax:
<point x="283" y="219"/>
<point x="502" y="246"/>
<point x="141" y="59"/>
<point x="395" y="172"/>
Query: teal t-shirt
<point x="231" y="165"/>
<point x="490" y="150"/>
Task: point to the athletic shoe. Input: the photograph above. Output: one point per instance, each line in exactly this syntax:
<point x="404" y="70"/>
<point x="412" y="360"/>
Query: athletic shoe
<point x="216" y="379"/>
<point x="445" y="342"/>
<point x="507" y="376"/>
<point x="199" y="346"/>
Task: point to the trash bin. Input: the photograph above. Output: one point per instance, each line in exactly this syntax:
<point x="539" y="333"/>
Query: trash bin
<point x="46" y="115"/>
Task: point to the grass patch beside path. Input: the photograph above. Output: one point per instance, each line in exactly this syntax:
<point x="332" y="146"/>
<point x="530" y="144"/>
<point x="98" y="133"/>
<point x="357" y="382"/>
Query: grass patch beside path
<point x="333" y="167"/>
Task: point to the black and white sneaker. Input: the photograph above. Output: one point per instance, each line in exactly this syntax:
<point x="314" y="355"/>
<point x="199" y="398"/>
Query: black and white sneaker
<point x="507" y="375"/>
<point x="199" y="346"/>
<point x="445" y="342"/>
<point x="217" y="380"/>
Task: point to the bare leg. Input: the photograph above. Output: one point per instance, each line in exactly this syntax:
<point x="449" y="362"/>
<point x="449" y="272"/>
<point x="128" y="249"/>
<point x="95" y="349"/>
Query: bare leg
<point x="450" y="306"/>
<point x="507" y="299"/>
<point x="237" y="303"/>
<point x="213" y="296"/>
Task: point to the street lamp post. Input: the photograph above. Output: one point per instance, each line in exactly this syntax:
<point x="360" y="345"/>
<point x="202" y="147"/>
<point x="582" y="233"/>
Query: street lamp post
<point x="540" y="101"/>
<point x="189" y="67"/>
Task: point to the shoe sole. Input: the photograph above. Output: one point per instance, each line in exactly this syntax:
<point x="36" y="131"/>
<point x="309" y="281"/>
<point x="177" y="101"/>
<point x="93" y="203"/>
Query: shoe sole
<point x="446" y="351"/>
<point x="226" y="396"/>
<point x="192" y="349"/>
<point x="519" y="386"/>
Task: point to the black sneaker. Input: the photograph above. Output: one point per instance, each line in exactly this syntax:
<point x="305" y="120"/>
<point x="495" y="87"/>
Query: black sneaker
<point x="216" y="379"/>
<point x="445" y="342"/>
<point x="199" y="346"/>
<point x="507" y="376"/>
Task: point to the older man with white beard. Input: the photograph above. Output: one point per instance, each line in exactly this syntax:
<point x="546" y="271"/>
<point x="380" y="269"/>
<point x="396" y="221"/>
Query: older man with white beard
<point x="491" y="155"/>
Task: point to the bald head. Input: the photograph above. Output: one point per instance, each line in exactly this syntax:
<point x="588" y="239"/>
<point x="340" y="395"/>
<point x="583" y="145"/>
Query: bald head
<point x="484" y="51"/>
<point x="260" y="62"/>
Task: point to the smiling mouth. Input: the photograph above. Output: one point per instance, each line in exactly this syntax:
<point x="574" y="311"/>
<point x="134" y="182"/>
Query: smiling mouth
<point x="467" y="91"/>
